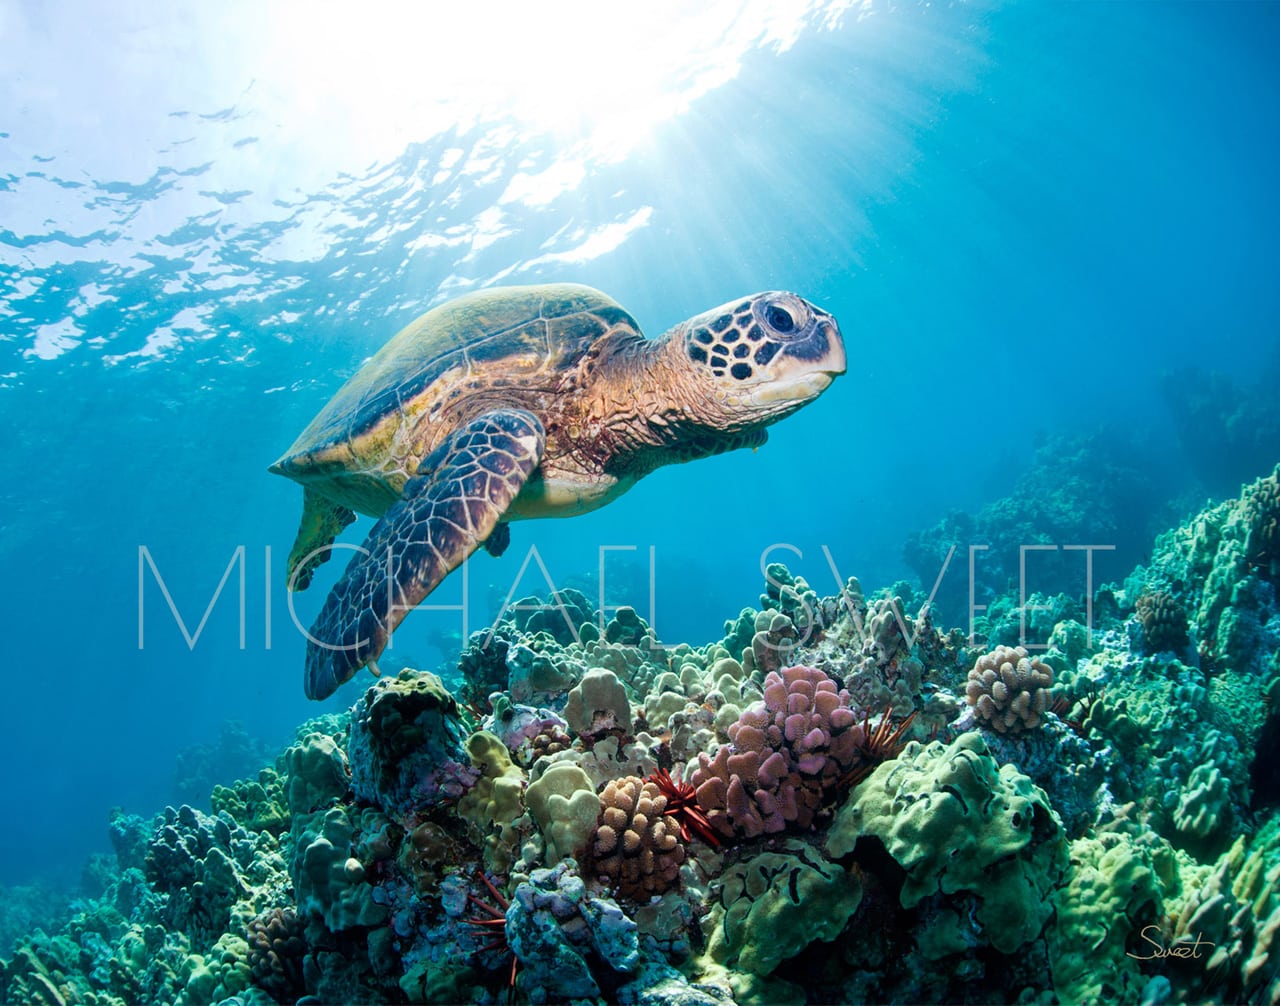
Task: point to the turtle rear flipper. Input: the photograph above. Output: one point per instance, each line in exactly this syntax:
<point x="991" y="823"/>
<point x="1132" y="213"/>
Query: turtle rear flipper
<point x="466" y="485"/>
<point x="322" y="522"/>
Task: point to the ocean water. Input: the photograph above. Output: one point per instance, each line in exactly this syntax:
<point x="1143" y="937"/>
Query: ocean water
<point x="1035" y="223"/>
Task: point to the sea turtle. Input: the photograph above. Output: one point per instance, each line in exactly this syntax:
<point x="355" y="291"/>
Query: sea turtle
<point x="517" y="402"/>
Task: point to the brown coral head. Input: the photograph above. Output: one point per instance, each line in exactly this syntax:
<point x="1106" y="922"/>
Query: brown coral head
<point x="276" y="952"/>
<point x="1163" y="620"/>
<point x="636" y="847"/>
<point x="1009" y="690"/>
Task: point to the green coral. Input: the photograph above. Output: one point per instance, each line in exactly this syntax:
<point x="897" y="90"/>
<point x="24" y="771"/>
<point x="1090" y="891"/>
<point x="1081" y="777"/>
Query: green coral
<point x="772" y="906"/>
<point x="317" y="773"/>
<point x="598" y="703"/>
<point x="221" y="973"/>
<point x="957" y="822"/>
<point x="1233" y="908"/>
<point x="1184" y="761"/>
<point x="328" y="879"/>
<point x="405" y="745"/>
<point x="1114" y="891"/>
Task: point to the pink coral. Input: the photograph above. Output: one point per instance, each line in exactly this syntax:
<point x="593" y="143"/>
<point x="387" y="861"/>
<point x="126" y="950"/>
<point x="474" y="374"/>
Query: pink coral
<point x="785" y="754"/>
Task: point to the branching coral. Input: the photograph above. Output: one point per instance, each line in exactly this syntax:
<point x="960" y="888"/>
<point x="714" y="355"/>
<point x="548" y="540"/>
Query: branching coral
<point x="1009" y="690"/>
<point x="204" y="866"/>
<point x="636" y="846"/>
<point x="786" y="753"/>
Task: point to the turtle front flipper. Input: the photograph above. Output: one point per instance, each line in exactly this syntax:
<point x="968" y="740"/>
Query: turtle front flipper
<point x="445" y="512"/>
<point x="322" y="522"/>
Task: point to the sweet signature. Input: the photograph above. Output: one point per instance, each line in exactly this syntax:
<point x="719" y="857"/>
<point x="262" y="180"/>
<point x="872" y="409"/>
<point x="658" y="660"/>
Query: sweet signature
<point x="1179" y="948"/>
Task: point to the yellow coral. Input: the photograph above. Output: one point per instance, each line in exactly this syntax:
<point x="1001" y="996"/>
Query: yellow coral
<point x="496" y="801"/>
<point x="564" y="804"/>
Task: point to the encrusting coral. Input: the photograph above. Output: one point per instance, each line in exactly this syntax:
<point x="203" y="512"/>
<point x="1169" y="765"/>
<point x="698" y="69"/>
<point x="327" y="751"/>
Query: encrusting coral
<point x="955" y="821"/>
<point x="1009" y="690"/>
<point x="770" y="907"/>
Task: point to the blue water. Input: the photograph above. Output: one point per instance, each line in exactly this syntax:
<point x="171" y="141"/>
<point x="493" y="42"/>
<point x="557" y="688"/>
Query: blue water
<point x="1021" y="215"/>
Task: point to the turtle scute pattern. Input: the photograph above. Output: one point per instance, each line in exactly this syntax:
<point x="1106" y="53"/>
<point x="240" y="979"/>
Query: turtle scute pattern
<point x="465" y="486"/>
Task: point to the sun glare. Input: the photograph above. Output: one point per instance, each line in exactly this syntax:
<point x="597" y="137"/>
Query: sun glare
<point x="581" y="71"/>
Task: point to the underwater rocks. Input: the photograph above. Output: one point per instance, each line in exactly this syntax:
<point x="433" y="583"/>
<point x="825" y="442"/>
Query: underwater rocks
<point x="406" y="740"/>
<point x="567" y="940"/>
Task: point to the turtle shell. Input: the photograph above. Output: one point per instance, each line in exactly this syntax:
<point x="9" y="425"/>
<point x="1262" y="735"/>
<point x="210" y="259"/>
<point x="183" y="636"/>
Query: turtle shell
<point x="503" y="347"/>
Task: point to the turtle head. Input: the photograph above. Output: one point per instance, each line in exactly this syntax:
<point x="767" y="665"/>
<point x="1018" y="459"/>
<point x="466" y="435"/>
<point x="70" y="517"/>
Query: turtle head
<point x="762" y="358"/>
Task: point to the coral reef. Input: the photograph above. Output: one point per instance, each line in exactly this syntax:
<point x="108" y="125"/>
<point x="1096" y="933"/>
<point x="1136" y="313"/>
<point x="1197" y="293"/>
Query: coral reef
<point x="770" y="907"/>
<point x="496" y="802"/>
<point x="568" y="942"/>
<point x="563" y="802"/>
<point x="597" y="705"/>
<point x="956" y="822"/>
<point x="1078" y="489"/>
<point x="276" y="946"/>
<point x="1262" y="515"/>
<point x="836" y="801"/>
<point x="1227" y="430"/>
<point x="405" y="747"/>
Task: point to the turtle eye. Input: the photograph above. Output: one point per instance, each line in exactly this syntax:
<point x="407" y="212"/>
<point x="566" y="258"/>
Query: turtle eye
<point x="780" y="319"/>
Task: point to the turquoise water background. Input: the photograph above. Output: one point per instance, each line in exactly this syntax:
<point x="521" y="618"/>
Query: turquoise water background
<point x="1021" y="215"/>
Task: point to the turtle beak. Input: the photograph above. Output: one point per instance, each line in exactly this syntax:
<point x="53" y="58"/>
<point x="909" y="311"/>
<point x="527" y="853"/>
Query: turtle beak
<point x="836" y="363"/>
